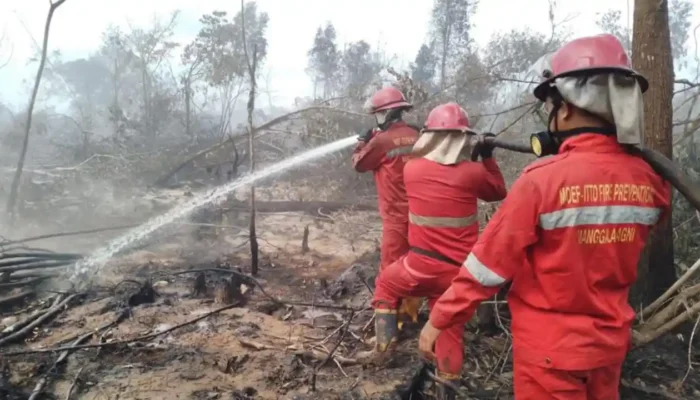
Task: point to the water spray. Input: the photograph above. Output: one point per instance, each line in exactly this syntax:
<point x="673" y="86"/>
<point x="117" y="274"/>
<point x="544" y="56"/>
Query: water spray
<point x="89" y="266"/>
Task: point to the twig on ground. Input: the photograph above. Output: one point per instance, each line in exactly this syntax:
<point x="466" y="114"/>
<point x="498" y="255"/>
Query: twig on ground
<point x="74" y="384"/>
<point x="690" y="349"/>
<point x="330" y="353"/>
<point x="651" y="391"/>
<point x="448" y="384"/>
<point x="126" y="341"/>
<point x="368" y="324"/>
<point x="39" y="388"/>
<point x="48" y="314"/>
<point x="502" y="358"/>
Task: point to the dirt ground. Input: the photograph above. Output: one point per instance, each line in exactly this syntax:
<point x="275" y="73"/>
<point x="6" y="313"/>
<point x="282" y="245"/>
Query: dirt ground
<point x="262" y="349"/>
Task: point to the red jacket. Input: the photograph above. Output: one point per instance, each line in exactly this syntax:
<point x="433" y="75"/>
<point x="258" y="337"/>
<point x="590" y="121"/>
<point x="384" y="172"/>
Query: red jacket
<point x="569" y="236"/>
<point x="442" y="203"/>
<point x="385" y="155"/>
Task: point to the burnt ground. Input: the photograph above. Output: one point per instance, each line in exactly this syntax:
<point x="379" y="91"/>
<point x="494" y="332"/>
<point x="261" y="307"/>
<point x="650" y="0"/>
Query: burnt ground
<point x="262" y="349"/>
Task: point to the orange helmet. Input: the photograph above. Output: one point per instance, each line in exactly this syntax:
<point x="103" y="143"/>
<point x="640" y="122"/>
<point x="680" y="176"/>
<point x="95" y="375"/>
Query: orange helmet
<point x="386" y="99"/>
<point x="587" y="56"/>
<point x="447" y="117"/>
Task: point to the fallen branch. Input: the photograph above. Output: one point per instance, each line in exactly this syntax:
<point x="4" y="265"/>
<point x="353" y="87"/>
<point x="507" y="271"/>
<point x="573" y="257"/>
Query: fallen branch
<point x="16" y="298"/>
<point x="39" y="388"/>
<point x="61" y="234"/>
<point x="311" y="207"/>
<point x="22" y="283"/>
<point x="646" y="312"/>
<point x="121" y="342"/>
<point x="38" y="321"/>
<point x="671" y="310"/>
<point x="642" y="338"/>
<point x="42" y="256"/>
<point x="282" y="118"/>
<point x="37" y="265"/>
<point x="651" y="391"/>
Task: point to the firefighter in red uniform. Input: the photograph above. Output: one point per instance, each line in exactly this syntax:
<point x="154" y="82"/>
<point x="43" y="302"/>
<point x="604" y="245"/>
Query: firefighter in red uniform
<point x="443" y="185"/>
<point x="570" y="233"/>
<point x="384" y="151"/>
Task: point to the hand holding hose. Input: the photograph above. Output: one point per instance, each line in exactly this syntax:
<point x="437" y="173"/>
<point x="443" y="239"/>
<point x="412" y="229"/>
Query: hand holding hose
<point x="367" y="136"/>
<point x="485" y="143"/>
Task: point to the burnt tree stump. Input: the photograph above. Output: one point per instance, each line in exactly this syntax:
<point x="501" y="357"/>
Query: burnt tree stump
<point x="305" y="240"/>
<point x="200" y="285"/>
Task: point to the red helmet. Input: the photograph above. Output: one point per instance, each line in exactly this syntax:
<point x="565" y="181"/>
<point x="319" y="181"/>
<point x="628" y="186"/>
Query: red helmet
<point x="587" y="56"/>
<point x="386" y="99"/>
<point x="447" y="117"/>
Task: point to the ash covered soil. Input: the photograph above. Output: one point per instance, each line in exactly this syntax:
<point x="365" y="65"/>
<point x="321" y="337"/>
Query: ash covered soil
<point x="260" y="348"/>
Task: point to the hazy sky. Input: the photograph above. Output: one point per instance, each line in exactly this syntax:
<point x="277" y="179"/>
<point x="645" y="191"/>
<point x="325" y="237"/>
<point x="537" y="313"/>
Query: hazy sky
<point x="399" y="26"/>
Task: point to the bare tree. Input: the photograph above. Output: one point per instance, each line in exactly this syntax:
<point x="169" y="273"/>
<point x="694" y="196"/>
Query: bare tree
<point x="652" y="56"/>
<point x="252" y="65"/>
<point x="12" y="200"/>
<point x="4" y="41"/>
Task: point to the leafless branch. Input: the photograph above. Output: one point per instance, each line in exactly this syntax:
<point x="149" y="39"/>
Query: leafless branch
<point x="12" y="198"/>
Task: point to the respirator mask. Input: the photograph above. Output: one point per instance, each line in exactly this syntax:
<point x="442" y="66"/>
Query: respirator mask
<point x="548" y="142"/>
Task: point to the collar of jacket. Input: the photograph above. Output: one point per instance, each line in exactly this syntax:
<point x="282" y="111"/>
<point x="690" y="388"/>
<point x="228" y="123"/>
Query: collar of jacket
<point x="591" y="143"/>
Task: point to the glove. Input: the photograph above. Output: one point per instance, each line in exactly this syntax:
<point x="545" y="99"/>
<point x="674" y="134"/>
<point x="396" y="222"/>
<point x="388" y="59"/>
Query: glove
<point x="485" y="148"/>
<point x="367" y="136"/>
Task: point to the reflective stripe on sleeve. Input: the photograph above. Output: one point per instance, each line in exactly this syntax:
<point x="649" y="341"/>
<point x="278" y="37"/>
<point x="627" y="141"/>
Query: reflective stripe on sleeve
<point x="599" y="215"/>
<point x="482" y="273"/>
<point x="399" y="151"/>
<point x="442" y="222"/>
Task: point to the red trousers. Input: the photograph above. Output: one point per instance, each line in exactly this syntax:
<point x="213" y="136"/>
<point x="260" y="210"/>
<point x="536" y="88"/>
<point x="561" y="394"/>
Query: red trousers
<point x="532" y="382"/>
<point x="394" y="243"/>
<point x="419" y="276"/>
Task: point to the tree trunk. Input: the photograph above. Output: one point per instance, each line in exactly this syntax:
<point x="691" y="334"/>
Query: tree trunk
<point x="252" y="66"/>
<point x="12" y="200"/>
<point x="188" y="111"/>
<point x="446" y="37"/>
<point x="651" y="56"/>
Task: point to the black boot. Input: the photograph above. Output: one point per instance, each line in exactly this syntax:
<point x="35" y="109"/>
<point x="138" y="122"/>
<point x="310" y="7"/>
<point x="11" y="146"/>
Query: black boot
<point x="386" y="330"/>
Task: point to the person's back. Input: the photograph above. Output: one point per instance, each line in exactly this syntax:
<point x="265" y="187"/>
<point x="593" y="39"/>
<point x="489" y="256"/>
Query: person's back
<point x="442" y="185"/>
<point x="386" y="155"/>
<point x="597" y="205"/>
<point x="442" y="201"/>
<point x="570" y="233"/>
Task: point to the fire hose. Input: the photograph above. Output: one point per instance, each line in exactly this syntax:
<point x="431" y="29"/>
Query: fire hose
<point x="661" y="165"/>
